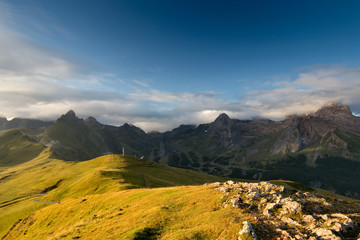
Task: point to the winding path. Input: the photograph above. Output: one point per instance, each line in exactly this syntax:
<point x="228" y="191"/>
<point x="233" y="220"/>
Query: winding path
<point x="39" y="201"/>
<point x="30" y="195"/>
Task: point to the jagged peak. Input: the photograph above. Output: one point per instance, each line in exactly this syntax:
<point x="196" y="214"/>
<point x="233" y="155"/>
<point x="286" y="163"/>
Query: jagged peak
<point x="91" y="119"/>
<point x="222" y="118"/>
<point x="222" y="123"/>
<point x="70" y="113"/>
<point x="333" y="108"/>
<point x="91" y="122"/>
<point x="335" y="105"/>
<point x="129" y="126"/>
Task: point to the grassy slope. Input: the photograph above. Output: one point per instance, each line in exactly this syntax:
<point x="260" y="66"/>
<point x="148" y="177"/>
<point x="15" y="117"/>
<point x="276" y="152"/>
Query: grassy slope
<point x="107" y="198"/>
<point x="186" y="212"/>
<point x="78" y="140"/>
<point x="16" y="148"/>
<point x="59" y="180"/>
<point x="168" y="213"/>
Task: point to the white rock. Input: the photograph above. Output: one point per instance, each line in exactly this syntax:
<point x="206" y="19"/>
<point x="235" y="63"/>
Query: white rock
<point x="247" y="230"/>
<point x="325" y="234"/>
<point x="290" y="206"/>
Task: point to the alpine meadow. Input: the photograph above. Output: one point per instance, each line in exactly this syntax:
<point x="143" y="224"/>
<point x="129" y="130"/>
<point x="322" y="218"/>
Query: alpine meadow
<point x="179" y="120"/>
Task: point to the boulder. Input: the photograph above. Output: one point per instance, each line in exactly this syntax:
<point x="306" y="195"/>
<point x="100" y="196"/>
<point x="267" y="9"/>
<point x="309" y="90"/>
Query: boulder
<point x="247" y="231"/>
<point x="325" y="234"/>
<point x="308" y="219"/>
<point x="289" y="206"/>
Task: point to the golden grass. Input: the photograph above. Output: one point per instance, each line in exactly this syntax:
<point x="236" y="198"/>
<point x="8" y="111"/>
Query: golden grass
<point x="61" y="180"/>
<point x="169" y="213"/>
<point x="107" y="198"/>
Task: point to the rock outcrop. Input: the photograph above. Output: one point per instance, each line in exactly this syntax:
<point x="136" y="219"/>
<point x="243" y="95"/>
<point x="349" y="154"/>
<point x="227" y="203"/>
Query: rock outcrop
<point x="247" y="232"/>
<point x="290" y="214"/>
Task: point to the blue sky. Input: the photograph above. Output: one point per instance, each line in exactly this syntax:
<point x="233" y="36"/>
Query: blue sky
<point x="157" y="64"/>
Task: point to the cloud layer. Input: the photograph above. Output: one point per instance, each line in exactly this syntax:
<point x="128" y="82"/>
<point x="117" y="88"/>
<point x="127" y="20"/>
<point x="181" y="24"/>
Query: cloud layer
<point x="38" y="82"/>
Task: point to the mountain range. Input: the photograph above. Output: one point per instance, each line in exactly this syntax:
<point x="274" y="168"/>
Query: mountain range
<point x="319" y="149"/>
<point x="76" y="179"/>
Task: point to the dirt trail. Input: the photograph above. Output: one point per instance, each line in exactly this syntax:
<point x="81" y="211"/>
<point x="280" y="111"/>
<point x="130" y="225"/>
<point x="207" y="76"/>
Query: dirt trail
<point x="30" y="195"/>
<point x="39" y="201"/>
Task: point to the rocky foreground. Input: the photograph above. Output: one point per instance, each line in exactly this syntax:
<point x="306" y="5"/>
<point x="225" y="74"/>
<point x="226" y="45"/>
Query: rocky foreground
<point x="283" y="213"/>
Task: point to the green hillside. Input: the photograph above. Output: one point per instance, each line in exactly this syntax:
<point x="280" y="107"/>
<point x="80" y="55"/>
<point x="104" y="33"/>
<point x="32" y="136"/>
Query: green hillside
<point x="172" y="213"/>
<point x="123" y="197"/>
<point x="53" y="180"/>
<point x="17" y="148"/>
<point x="71" y="139"/>
<point x="318" y="150"/>
<point x="183" y="212"/>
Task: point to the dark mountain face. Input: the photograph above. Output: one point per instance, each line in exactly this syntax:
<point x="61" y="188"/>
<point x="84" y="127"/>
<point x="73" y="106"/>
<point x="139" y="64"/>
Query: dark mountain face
<point x="72" y="138"/>
<point x="23" y="123"/>
<point x="313" y="149"/>
<point x="321" y="149"/>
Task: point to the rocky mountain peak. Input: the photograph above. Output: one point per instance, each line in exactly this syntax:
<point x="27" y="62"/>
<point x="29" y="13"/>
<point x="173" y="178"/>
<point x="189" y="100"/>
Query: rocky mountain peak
<point x="333" y="109"/>
<point x="92" y="122"/>
<point x="338" y="114"/>
<point x="70" y="114"/>
<point x="221" y="123"/>
<point x="225" y="128"/>
<point x="224" y="118"/>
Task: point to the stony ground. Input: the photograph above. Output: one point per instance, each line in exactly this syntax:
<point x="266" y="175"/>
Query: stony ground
<point x="284" y="213"/>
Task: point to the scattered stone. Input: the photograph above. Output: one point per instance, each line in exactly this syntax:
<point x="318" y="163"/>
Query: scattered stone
<point x="230" y="182"/>
<point x="309" y="219"/>
<point x="284" y="234"/>
<point x="215" y="184"/>
<point x="284" y="210"/>
<point x="268" y="209"/>
<point x="224" y="189"/>
<point x="263" y="200"/>
<point x="324" y="217"/>
<point x="289" y="206"/>
<point x="325" y="234"/>
<point x="339" y="215"/>
<point x="336" y="227"/>
<point x="236" y="201"/>
<point x="311" y="227"/>
<point x="290" y="221"/>
<point x="247" y="231"/>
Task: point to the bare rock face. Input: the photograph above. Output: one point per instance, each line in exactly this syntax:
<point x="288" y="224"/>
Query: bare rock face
<point x="92" y="123"/>
<point x="338" y="114"/>
<point x="292" y="214"/>
<point x="301" y="131"/>
<point x="334" y="111"/>
<point x="70" y="114"/>
<point x="226" y="131"/>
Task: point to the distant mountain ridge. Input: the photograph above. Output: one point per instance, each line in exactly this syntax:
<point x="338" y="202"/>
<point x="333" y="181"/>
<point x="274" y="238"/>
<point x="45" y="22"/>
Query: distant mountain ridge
<point x="23" y="123"/>
<point x="320" y="149"/>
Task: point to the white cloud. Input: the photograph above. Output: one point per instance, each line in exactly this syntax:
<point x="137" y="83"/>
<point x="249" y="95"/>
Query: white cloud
<point x="309" y="91"/>
<point x="142" y="83"/>
<point x="39" y="82"/>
